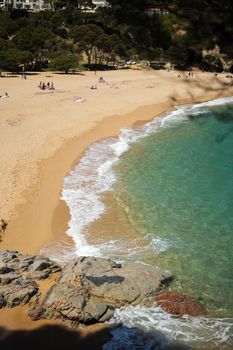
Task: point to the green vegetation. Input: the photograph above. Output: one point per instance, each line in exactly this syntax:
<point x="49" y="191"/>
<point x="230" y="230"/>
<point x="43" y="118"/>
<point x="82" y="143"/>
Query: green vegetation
<point x="63" y="62"/>
<point x="66" y="35"/>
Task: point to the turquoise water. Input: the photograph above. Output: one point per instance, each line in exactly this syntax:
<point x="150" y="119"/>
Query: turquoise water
<point x="162" y="193"/>
<point x="176" y="187"/>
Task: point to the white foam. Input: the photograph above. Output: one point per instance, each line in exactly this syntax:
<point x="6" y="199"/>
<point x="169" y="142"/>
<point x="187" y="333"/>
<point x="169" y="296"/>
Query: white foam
<point x="59" y="251"/>
<point x="85" y="185"/>
<point x="216" y="102"/>
<point x="152" y="328"/>
<point x="158" y="244"/>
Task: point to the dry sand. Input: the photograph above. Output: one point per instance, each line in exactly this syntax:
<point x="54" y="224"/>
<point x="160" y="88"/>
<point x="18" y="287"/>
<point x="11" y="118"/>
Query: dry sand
<point x="43" y="134"/>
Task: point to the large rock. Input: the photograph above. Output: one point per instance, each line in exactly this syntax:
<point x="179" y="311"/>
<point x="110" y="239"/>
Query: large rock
<point x="178" y="304"/>
<point x="18" y="273"/>
<point x="8" y="255"/>
<point x="18" y="292"/>
<point x="41" y="264"/>
<point x="85" y="290"/>
<point x="116" y="284"/>
<point x="72" y="304"/>
<point x="89" y="288"/>
<point x="33" y="266"/>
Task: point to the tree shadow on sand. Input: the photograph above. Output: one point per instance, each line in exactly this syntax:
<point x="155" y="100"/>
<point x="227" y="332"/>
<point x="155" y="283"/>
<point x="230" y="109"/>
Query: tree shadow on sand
<point x="70" y="73"/>
<point x="214" y="84"/>
<point x="219" y="88"/>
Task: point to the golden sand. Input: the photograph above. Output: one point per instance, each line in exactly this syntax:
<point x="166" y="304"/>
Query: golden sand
<point x="44" y="133"/>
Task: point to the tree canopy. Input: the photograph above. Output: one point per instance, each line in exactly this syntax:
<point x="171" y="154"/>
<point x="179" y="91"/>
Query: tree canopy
<point x="123" y="30"/>
<point x="63" y="62"/>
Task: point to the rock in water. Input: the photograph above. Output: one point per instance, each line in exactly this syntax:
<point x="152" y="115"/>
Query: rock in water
<point x="90" y="288"/>
<point x="85" y="290"/>
<point x="118" y="285"/>
<point x="178" y="304"/>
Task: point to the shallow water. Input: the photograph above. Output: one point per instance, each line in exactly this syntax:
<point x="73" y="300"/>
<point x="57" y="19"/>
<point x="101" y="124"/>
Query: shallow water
<point x="177" y="186"/>
<point x="162" y="193"/>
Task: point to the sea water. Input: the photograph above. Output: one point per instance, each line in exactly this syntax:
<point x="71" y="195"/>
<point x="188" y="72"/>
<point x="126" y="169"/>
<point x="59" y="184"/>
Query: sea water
<point x="171" y="184"/>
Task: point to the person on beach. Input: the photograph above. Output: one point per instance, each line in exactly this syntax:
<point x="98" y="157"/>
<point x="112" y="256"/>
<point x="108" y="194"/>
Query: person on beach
<point x="48" y="86"/>
<point x="5" y="95"/>
<point x="79" y="100"/>
<point x="3" y="226"/>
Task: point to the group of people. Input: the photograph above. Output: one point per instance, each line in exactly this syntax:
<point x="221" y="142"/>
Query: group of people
<point x="44" y="86"/>
<point x="5" y="95"/>
<point x="189" y="75"/>
<point x="94" y="87"/>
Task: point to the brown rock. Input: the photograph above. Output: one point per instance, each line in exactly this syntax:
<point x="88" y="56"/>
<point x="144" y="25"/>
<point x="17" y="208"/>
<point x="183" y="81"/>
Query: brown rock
<point x="178" y="304"/>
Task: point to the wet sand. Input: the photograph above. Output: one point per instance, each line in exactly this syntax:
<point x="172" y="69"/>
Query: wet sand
<point x="44" y="134"/>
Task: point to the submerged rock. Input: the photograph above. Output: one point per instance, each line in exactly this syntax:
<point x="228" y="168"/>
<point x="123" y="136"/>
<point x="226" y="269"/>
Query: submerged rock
<point x="178" y="304"/>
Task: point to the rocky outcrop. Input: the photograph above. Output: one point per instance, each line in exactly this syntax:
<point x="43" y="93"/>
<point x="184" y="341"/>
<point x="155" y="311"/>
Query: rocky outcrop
<point x="33" y="266"/>
<point x="116" y="284"/>
<point x="18" y="292"/>
<point x="178" y="304"/>
<point x="84" y="291"/>
<point x="18" y="275"/>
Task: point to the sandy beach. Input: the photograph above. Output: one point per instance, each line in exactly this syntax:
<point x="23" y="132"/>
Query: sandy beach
<point x="43" y="134"/>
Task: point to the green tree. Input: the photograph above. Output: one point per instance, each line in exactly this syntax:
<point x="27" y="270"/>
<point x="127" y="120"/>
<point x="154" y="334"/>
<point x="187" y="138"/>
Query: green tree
<point x="12" y="58"/>
<point x="64" y="62"/>
<point x="207" y="23"/>
<point x="180" y="53"/>
<point x="7" y="26"/>
<point x="86" y="36"/>
<point x="110" y="45"/>
<point x="212" y="64"/>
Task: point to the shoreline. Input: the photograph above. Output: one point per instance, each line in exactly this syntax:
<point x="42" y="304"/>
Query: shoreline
<point x="52" y="175"/>
<point x="44" y="217"/>
<point x="54" y="224"/>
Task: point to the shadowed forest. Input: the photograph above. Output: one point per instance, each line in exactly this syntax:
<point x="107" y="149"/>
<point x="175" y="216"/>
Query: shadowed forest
<point x="182" y="32"/>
